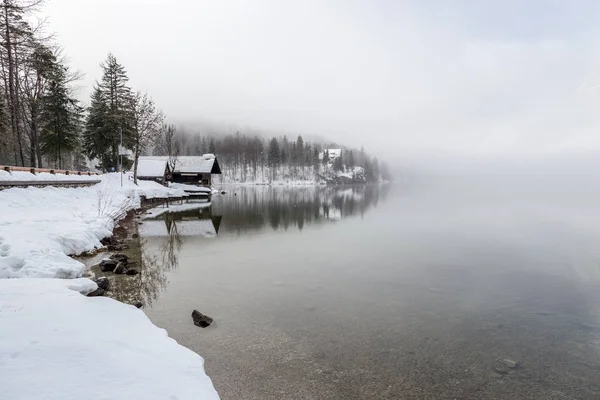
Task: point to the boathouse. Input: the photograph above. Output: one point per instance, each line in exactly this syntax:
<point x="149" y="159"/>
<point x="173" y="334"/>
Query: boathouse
<point x="191" y="170"/>
<point x="153" y="170"/>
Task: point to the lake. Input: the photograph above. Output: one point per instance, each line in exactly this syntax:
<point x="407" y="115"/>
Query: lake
<point x="454" y="288"/>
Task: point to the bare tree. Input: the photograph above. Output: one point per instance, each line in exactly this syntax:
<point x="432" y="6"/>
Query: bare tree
<point x="147" y="123"/>
<point x="168" y="144"/>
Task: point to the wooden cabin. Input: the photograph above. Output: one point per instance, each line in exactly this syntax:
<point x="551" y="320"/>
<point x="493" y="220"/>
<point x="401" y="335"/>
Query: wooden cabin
<point x="191" y="170"/>
<point x="153" y="170"/>
<point x="194" y="170"/>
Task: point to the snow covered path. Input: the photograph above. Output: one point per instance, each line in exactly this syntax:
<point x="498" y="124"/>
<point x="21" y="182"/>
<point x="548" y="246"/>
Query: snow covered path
<point x="56" y="343"/>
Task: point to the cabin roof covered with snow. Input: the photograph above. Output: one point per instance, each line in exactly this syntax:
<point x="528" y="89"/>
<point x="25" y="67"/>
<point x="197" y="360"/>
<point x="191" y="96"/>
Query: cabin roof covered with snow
<point x="148" y="168"/>
<point x="205" y="164"/>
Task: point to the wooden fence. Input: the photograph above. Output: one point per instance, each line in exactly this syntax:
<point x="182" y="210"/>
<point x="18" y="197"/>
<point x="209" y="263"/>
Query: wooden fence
<point x="8" y="168"/>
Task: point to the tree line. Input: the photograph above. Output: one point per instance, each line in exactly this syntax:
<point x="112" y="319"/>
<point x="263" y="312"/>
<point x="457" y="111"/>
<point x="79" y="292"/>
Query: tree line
<point x="43" y="124"/>
<point x="253" y="157"/>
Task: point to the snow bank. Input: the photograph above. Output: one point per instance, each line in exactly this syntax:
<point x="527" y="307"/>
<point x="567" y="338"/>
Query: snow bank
<point x="57" y="344"/>
<point x="40" y="227"/>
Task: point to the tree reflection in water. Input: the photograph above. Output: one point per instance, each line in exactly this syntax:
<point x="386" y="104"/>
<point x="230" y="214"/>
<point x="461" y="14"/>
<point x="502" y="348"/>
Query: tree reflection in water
<point x="243" y="210"/>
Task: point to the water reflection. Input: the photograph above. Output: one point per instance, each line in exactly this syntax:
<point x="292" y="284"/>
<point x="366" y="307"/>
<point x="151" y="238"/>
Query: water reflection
<point x="250" y="208"/>
<point x="243" y="210"/>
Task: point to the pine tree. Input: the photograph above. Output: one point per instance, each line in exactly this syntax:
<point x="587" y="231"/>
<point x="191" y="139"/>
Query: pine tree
<point x="351" y="161"/>
<point x="338" y="164"/>
<point x="274" y="158"/>
<point x="114" y="116"/>
<point x="97" y="137"/>
<point x="274" y="154"/>
<point x="60" y="118"/>
<point x="299" y="151"/>
<point x="212" y="148"/>
<point x="325" y="157"/>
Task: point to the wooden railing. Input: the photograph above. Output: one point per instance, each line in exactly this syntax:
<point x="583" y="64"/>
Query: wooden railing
<point x="8" y="168"/>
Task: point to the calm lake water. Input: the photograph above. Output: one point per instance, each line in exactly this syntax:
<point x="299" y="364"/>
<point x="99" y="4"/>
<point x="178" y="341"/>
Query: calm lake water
<point x="411" y="291"/>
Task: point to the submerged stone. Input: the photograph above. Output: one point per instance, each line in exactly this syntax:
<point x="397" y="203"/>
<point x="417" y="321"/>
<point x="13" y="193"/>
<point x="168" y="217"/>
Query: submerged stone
<point x="102" y="282"/>
<point x="120" y="268"/>
<point x="200" y="319"/>
<point x="108" y="265"/>
<point x="505" y="365"/>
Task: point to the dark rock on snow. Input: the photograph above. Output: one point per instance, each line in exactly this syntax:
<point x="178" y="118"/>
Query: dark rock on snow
<point x="138" y="304"/>
<point x="135" y="236"/>
<point x="200" y="319"/>
<point x="97" y="292"/>
<point x="108" y="265"/>
<point x="131" y="271"/>
<point x="120" y="268"/>
<point x="102" y="282"/>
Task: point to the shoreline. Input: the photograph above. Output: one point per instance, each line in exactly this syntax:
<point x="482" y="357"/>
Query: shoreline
<point x="52" y="332"/>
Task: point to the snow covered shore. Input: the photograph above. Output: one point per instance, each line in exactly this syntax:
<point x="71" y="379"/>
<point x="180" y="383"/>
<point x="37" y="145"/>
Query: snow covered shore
<point x="40" y="227"/>
<point x="56" y="343"/>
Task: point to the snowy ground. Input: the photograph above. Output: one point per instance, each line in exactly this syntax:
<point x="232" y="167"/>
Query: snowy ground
<point x="40" y="227"/>
<point x="56" y="343"/>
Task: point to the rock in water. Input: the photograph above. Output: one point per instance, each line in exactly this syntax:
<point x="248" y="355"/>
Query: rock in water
<point x="107" y="240"/>
<point x="131" y="271"/>
<point x="108" y="265"/>
<point x="504" y="365"/>
<point x="102" y="282"/>
<point x="120" y="269"/>
<point x="200" y="319"/>
<point x="119" y="257"/>
<point x="97" y="292"/>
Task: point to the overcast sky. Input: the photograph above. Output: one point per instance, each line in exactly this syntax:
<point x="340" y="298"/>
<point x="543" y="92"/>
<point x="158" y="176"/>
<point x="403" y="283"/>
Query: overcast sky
<point x="468" y="77"/>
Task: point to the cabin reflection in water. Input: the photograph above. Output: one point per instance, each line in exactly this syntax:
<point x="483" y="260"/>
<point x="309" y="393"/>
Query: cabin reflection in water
<point x="198" y="221"/>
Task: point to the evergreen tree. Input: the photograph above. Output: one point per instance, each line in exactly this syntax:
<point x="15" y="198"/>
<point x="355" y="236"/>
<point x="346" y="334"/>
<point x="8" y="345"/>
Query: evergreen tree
<point x="325" y="157"/>
<point x="375" y="169"/>
<point x="274" y="154"/>
<point x="114" y="114"/>
<point x="60" y="118"/>
<point x="97" y="136"/>
<point x="299" y="151"/>
<point x="212" y="148"/>
<point x="338" y="165"/>
<point x="351" y="161"/>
